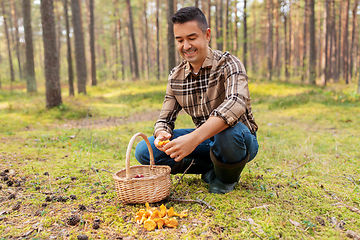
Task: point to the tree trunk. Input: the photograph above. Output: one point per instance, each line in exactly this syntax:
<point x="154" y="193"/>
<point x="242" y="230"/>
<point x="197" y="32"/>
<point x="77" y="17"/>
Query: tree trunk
<point x="8" y="42"/>
<point x="14" y="15"/>
<point x="226" y="32"/>
<point x="115" y="39"/>
<point x="69" y="57"/>
<point x="170" y="36"/>
<point x="157" y="41"/>
<point x="276" y="45"/>
<point x="312" y="63"/>
<point x="304" y="55"/>
<point x="146" y="33"/>
<point x="339" y="59"/>
<point x="270" y="36"/>
<point x="121" y="51"/>
<point x="324" y="57"/>
<point x="290" y="39"/>
<point x="353" y="43"/>
<point x="336" y="49"/>
<point x="245" y="35"/>
<point x="319" y="37"/>
<point x="286" y="47"/>
<point x="219" y="30"/>
<point x="236" y="38"/>
<point x="80" y="61"/>
<point x="92" y="45"/>
<point x="253" y="54"/>
<point x="209" y="17"/>
<point x="30" y="69"/>
<point x="133" y="42"/>
<point x="345" y="41"/>
<point x="53" y="90"/>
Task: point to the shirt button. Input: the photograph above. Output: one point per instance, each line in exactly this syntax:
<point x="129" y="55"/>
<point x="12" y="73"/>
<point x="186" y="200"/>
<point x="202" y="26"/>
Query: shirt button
<point x="200" y="97"/>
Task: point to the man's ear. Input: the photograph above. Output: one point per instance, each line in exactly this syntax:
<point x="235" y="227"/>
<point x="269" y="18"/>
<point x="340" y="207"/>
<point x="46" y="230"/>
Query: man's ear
<point x="208" y="35"/>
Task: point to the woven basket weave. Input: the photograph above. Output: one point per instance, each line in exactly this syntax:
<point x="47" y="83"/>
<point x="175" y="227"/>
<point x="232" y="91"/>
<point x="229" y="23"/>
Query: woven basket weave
<point x="154" y="186"/>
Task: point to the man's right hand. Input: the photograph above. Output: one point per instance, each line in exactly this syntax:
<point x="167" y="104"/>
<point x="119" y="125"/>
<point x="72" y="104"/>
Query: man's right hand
<point x="161" y="136"/>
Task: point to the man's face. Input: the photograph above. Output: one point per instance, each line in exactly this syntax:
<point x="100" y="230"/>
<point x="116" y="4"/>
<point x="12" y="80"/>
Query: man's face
<point x="192" y="43"/>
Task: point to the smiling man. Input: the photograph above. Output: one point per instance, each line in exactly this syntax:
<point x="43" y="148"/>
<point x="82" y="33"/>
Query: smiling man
<point x="211" y="86"/>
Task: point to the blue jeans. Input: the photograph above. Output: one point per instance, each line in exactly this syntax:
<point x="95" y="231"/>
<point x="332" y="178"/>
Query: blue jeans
<point x="230" y="146"/>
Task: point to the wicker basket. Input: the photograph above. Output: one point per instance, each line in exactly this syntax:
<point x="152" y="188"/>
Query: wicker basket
<point x="154" y="184"/>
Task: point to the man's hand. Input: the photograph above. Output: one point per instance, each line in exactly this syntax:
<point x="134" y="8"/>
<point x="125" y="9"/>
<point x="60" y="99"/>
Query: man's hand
<point x="161" y="136"/>
<point x="184" y="145"/>
<point x="181" y="146"/>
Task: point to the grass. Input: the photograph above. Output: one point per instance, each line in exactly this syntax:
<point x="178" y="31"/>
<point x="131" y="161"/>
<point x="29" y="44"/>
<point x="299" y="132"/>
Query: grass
<point x="304" y="183"/>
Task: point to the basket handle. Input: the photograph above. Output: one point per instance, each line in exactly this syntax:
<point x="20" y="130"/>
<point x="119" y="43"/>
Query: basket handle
<point x="128" y="152"/>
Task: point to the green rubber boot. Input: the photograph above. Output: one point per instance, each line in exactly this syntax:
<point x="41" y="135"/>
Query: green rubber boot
<point x="227" y="175"/>
<point x="200" y="166"/>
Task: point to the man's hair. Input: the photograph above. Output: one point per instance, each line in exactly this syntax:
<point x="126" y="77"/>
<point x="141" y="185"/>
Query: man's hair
<point x="188" y="14"/>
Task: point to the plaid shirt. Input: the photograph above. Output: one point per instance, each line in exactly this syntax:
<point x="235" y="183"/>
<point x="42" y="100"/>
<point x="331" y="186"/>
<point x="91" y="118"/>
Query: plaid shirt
<point x="219" y="89"/>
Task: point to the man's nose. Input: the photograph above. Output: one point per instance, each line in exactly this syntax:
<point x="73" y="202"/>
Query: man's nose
<point x="187" y="45"/>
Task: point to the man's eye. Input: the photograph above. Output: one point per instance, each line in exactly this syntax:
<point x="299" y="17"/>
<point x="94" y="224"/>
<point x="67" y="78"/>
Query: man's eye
<point x="192" y="39"/>
<point x="180" y="41"/>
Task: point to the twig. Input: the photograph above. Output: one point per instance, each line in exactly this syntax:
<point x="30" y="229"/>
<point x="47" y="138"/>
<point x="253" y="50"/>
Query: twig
<point x="255" y="233"/>
<point x="292" y="169"/>
<point x="106" y="170"/>
<point x="199" y="201"/>
<point x="174" y="191"/>
<point x="352" y="234"/>
<point x="351" y="208"/>
<point x="300" y="165"/>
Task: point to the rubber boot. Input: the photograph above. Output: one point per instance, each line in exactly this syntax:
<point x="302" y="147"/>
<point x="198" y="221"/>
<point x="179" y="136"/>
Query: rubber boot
<point x="200" y="166"/>
<point x="227" y="175"/>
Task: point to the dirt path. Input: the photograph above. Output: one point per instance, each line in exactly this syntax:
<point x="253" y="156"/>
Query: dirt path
<point x="111" y="121"/>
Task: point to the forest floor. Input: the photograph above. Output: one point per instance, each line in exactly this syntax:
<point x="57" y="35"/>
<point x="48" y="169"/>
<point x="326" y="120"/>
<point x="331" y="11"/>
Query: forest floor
<point x="56" y="167"/>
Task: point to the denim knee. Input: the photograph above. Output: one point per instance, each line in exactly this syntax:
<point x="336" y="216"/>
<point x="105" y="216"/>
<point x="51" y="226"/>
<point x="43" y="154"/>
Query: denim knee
<point x="232" y="144"/>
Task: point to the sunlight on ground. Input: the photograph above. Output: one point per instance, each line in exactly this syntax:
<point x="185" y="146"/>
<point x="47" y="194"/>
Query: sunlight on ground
<point x="276" y="89"/>
<point x="135" y="90"/>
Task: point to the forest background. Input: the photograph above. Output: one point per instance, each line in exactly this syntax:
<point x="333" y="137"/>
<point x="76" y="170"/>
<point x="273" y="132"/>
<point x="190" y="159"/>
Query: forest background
<point x="101" y="67"/>
<point x="310" y="41"/>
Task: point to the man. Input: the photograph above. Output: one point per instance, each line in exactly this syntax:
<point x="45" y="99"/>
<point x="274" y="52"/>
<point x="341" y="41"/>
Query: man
<point x="211" y="86"/>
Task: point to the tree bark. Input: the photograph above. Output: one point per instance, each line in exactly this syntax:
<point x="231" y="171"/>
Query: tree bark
<point x="276" y="45"/>
<point x="17" y="40"/>
<point x="92" y="45"/>
<point x="353" y="39"/>
<point x="304" y="55"/>
<point x="209" y="17"/>
<point x="236" y="37"/>
<point x="312" y="63"/>
<point x="170" y="36"/>
<point x="286" y="47"/>
<point x="226" y="32"/>
<point x="133" y="42"/>
<point x="8" y="43"/>
<point x="245" y="35"/>
<point x="345" y="41"/>
<point x="324" y="57"/>
<point x="147" y="56"/>
<point x="219" y="27"/>
<point x="69" y="57"/>
<point x="121" y="51"/>
<point x="30" y="69"/>
<point x="157" y="41"/>
<point x="53" y="90"/>
<point x="270" y="41"/>
<point x="80" y="61"/>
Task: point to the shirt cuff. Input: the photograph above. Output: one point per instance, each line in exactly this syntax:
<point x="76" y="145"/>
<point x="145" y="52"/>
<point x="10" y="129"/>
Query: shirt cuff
<point x="231" y="121"/>
<point x="162" y="127"/>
